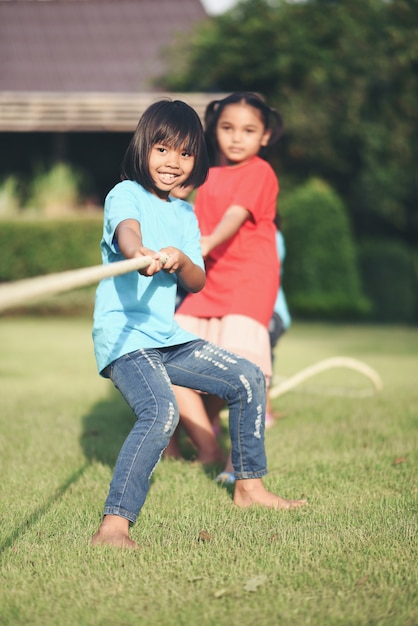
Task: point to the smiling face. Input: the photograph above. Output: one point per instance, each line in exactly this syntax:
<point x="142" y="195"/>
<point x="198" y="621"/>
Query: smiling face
<point x="240" y="133"/>
<point x="169" y="168"/>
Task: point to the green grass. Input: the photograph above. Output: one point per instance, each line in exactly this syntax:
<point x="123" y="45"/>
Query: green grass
<point x="348" y="558"/>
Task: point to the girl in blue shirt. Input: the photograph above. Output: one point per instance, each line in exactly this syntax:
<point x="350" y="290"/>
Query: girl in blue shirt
<point x="137" y="343"/>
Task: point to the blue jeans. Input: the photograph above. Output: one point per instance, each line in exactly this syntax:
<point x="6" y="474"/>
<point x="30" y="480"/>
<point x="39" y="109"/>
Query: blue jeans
<point x="144" y="379"/>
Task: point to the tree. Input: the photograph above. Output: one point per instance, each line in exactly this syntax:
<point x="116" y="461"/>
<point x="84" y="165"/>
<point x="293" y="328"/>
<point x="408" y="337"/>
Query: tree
<point x="343" y="73"/>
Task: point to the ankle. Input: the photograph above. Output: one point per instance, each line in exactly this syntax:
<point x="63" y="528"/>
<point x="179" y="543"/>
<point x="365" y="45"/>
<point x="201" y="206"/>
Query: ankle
<point x="249" y="484"/>
<point x="115" y="523"/>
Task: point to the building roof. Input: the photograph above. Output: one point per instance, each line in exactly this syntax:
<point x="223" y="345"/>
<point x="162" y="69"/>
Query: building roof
<point x="87" y="64"/>
<point x="89" y="45"/>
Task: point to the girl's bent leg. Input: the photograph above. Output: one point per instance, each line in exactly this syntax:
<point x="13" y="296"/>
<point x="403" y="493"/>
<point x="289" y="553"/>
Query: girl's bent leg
<point x="204" y="366"/>
<point x="143" y="382"/>
<point x="209" y="368"/>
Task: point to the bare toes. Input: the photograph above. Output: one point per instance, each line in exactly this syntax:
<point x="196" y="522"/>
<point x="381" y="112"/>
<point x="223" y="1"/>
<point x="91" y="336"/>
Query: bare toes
<point x="118" y="540"/>
<point x="289" y="504"/>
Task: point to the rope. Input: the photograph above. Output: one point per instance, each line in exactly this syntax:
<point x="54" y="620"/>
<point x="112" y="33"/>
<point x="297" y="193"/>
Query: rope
<point x="326" y="364"/>
<point x="22" y="291"/>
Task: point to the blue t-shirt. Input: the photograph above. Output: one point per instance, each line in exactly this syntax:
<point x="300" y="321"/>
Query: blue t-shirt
<point x="133" y="311"/>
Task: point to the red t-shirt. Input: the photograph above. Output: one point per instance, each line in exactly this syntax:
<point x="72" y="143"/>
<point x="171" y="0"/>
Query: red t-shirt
<point x="243" y="272"/>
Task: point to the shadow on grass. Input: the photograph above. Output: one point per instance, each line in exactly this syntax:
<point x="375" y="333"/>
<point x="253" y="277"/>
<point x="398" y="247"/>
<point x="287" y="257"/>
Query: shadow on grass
<point x="105" y="428"/>
<point x="40" y="511"/>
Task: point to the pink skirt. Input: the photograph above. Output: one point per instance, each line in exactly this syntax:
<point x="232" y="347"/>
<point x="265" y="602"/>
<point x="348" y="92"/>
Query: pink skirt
<point x="236" y="333"/>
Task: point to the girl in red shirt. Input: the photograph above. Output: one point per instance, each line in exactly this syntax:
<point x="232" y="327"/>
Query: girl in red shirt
<point x="235" y="208"/>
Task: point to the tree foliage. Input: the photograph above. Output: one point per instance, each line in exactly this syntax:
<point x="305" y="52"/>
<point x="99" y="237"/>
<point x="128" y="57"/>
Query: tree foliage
<point x="343" y="73"/>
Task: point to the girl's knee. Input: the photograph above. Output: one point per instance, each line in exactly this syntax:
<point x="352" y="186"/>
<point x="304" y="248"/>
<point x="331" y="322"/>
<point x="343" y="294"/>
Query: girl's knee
<point x="161" y="416"/>
<point x="254" y="374"/>
<point x="253" y="382"/>
<point x="171" y="419"/>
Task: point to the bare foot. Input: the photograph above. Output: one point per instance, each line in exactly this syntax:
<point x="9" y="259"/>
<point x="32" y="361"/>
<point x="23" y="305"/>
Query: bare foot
<point x="114" y="531"/>
<point x="119" y="540"/>
<point x="251" y="492"/>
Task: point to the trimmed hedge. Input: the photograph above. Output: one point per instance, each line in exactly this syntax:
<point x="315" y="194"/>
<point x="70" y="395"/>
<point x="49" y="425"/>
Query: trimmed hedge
<point x="32" y="248"/>
<point x="390" y="280"/>
<point x="321" y="276"/>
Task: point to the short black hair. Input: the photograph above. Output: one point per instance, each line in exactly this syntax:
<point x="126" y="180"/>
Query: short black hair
<point x="174" y="124"/>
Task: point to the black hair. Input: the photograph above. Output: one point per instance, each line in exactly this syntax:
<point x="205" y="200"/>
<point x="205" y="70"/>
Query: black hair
<point x="271" y="118"/>
<point x="172" y="123"/>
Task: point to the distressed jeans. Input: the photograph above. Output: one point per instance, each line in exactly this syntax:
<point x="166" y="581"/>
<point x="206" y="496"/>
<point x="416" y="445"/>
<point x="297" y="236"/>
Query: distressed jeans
<point x="145" y="378"/>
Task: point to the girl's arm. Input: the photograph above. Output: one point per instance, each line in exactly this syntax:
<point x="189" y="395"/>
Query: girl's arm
<point x="129" y="237"/>
<point x="191" y="276"/>
<point x="230" y="224"/>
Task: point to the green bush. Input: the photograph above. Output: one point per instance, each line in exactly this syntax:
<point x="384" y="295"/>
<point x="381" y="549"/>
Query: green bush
<point x="389" y="274"/>
<point x="34" y="247"/>
<point x="10" y="197"/>
<point x="321" y="277"/>
<point x="55" y="191"/>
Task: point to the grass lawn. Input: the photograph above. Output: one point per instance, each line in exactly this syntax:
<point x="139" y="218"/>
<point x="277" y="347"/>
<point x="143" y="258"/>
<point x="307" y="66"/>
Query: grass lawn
<point x="348" y="558"/>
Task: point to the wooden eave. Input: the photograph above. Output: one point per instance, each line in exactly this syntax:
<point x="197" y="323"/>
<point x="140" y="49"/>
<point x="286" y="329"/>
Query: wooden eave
<point x="83" y="112"/>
